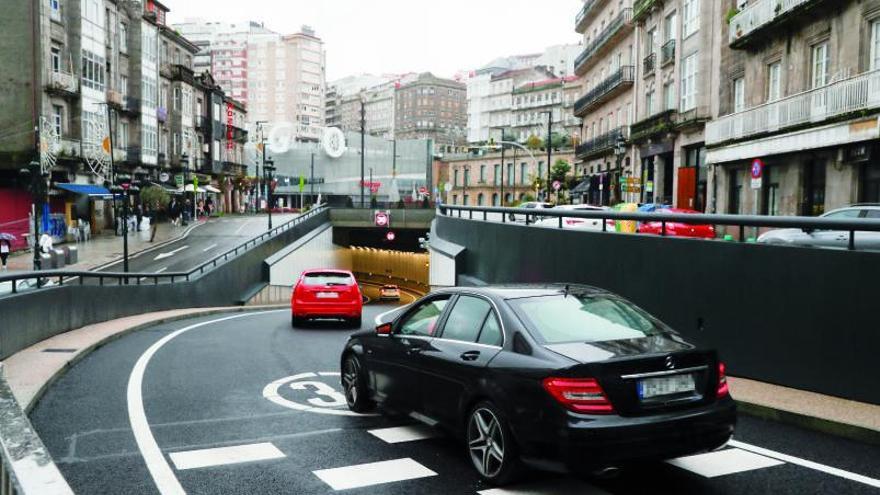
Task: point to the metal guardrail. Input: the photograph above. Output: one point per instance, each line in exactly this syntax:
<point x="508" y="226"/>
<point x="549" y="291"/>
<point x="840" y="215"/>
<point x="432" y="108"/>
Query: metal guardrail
<point x="740" y="221"/>
<point x="45" y="279"/>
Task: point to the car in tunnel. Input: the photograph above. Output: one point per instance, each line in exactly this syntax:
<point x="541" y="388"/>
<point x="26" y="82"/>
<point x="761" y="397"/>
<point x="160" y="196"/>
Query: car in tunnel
<point x="563" y="378"/>
<point x="326" y="294"/>
<point x="389" y="292"/>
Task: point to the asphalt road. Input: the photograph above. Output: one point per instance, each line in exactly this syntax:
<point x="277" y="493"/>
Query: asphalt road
<point x="155" y="400"/>
<point x="201" y="244"/>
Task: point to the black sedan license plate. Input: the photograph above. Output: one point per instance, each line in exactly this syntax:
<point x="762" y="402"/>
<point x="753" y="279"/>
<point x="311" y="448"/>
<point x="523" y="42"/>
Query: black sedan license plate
<point x="667" y="385"/>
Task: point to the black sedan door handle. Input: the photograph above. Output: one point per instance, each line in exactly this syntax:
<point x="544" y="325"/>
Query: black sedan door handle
<point x="414" y="350"/>
<point x="470" y="355"/>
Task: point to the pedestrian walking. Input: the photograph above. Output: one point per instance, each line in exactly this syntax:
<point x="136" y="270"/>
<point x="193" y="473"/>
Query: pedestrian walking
<point x="172" y="212"/>
<point x="46" y="243"/>
<point x="5" y="248"/>
<point x="154" y="221"/>
<point x="139" y="216"/>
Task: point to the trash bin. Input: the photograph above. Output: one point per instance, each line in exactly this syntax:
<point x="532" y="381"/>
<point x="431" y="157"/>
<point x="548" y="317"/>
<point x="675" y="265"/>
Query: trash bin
<point x="58" y="258"/>
<point x="72" y="255"/>
<point x="46" y="261"/>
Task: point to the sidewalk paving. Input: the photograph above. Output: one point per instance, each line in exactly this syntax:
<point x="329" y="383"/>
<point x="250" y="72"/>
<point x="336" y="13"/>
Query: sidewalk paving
<point x="100" y="250"/>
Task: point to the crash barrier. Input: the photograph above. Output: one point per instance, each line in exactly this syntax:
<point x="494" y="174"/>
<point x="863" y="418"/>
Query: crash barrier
<point x="26" y="468"/>
<point x="797" y="317"/>
<point x="59" y="301"/>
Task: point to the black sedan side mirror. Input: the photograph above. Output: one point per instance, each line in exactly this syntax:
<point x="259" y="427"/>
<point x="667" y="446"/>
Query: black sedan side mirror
<point x="384" y="329"/>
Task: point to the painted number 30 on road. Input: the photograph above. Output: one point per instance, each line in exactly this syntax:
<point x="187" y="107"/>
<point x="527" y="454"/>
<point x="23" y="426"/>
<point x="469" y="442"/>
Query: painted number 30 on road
<point x="309" y="392"/>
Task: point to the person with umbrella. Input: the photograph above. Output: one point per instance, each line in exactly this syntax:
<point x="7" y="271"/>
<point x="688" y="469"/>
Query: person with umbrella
<point x="5" y="248"/>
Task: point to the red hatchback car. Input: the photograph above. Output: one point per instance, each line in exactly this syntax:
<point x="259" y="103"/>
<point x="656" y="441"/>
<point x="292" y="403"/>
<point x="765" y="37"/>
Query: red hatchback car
<point x="326" y="294"/>
<point x="678" y="229"/>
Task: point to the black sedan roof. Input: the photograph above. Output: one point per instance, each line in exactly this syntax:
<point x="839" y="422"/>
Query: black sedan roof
<point x="519" y="291"/>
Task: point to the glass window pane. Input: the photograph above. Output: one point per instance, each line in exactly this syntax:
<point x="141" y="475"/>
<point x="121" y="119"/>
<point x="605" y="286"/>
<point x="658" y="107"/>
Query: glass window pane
<point x="491" y="332"/>
<point x="423" y="321"/>
<point x="466" y="318"/>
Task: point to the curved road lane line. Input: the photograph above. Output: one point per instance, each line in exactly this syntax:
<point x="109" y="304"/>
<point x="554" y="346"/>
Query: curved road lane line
<point x="160" y="470"/>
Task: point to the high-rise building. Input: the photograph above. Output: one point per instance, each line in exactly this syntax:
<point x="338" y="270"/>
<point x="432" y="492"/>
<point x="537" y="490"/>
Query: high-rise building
<point x="430" y="107"/>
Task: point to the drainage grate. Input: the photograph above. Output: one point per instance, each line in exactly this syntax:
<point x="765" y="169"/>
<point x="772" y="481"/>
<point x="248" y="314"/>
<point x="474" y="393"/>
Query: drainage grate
<point x="60" y="350"/>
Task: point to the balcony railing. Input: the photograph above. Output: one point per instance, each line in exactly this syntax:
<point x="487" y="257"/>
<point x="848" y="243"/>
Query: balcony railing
<point x="162" y="114"/>
<point x="132" y="105"/>
<point x="580" y="22"/>
<point x="602" y="144"/>
<point x="649" y="64"/>
<point x="620" y="79"/>
<point x="114" y="98"/>
<point x="63" y="82"/>
<point x="133" y="154"/>
<point x="667" y="52"/>
<point x="641" y="9"/>
<point x="761" y="14"/>
<point x="624" y="18"/>
<point x="815" y="106"/>
<point x="664" y="121"/>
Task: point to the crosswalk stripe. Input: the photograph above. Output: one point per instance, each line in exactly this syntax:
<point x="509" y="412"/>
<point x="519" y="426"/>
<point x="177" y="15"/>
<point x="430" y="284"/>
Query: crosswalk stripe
<point x="194" y="459"/>
<point x="565" y="486"/>
<point x="400" y="434"/>
<point x="373" y="473"/>
<point x="723" y="462"/>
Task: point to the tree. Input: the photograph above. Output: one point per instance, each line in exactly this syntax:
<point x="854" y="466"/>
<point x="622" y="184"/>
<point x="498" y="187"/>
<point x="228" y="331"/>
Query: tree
<point x="560" y="141"/>
<point x="560" y="170"/>
<point x="534" y="142"/>
<point x="155" y="197"/>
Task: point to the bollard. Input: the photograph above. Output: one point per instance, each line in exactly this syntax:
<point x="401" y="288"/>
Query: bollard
<point x="72" y="255"/>
<point x="58" y="257"/>
<point x="45" y="261"/>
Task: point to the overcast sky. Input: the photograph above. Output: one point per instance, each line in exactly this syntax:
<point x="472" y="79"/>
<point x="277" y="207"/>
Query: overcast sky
<point x="395" y="36"/>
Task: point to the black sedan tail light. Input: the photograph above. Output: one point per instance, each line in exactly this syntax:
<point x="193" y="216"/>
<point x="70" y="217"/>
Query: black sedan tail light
<point x="581" y="395"/>
<point x="723" y="387"/>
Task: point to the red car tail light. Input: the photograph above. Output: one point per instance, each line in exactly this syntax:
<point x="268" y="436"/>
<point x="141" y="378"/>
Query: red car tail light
<point x="583" y="395"/>
<point x="723" y="388"/>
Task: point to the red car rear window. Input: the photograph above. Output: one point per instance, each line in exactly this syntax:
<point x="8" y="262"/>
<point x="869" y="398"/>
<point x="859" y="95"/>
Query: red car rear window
<point x="328" y="278"/>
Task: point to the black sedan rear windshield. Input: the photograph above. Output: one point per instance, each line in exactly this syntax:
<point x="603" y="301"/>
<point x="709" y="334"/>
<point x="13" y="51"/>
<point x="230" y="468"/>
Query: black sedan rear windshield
<point x="328" y="278"/>
<point x="584" y="318"/>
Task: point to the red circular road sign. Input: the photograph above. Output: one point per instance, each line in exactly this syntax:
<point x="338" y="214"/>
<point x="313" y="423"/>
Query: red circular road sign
<point x="557" y="185"/>
<point x="381" y="219"/>
<point x="390" y="236"/>
<point x="757" y="168"/>
<point x="423" y="190"/>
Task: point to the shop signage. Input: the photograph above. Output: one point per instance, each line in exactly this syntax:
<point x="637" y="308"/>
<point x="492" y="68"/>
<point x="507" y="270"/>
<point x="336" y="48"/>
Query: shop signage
<point x="230" y="121"/>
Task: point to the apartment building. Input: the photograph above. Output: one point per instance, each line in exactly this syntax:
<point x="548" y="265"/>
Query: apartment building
<point x="799" y="93"/>
<point x="430" y="107"/>
<point x="607" y="69"/>
<point x="176" y="108"/>
<point x="483" y="180"/>
<point x="533" y="101"/>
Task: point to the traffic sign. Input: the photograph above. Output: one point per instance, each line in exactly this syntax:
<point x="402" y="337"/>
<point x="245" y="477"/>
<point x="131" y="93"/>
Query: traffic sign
<point x="557" y="185"/>
<point x="757" y="172"/>
<point x="447" y="187"/>
<point x="382" y="219"/>
<point x="178" y="179"/>
<point x="423" y="190"/>
<point x="390" y="236"/>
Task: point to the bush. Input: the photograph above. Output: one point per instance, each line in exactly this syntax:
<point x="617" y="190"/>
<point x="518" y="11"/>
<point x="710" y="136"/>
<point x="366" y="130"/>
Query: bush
<point x="155" y="198"/>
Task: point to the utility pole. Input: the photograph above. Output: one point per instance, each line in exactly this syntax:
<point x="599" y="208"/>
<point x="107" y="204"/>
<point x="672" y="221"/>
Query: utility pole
<point x="501" y="198"/>
<point x="549" y="152"/>
<point x="514" y="174"/>
<point x="363" y="145"/>
<point x="312" y="179"/>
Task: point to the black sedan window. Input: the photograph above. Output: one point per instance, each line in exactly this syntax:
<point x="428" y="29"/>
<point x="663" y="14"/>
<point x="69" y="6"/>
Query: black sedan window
<point x="491" y="332"/>
<point x="584" y="318"/>
<point x="424" y="319"/>
<point x="466" y="319"/>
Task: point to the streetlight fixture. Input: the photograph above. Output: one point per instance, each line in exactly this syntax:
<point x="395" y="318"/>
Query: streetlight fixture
<point x="363" y="142"/>
<point x="549" y="145"/>
<point x="269" y="175"/>
<point x="39" y="189"/>
<point x="619" y="153"/>
<point x="259" y="124"/>
<point x="184" y="159"/>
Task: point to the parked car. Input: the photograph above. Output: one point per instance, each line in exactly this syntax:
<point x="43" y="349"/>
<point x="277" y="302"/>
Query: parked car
<point x="572" y="222"/>
<point x="677" y="229"/>
<point x="326" y="294"/>
<point x="389" y="292"/>
<point x="536" y="205"/>
<point x="830" y="238"/>
<point x="558" y="377"/>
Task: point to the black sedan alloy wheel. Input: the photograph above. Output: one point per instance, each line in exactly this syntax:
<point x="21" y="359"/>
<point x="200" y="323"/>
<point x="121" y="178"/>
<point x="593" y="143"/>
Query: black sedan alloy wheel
<point x="352" y="384"/>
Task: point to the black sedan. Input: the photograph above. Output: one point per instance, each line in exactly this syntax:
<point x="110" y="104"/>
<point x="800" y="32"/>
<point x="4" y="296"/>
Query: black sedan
<point x="564" y="378"/>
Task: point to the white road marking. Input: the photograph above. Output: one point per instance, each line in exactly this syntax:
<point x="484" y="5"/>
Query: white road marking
<point x="169" y="254"/>
<point x="238" y="231"/>
<point x="564" y="486"/>
<point x="319" y="404"/>
<point x="858" y="478"/>
<point x="400" y="434"/>
<point x="160" y="270"/>
<point x="195" y="459"/>
<point x="723" y="462"/>
<point x="374" y="473"/>
<point x="212" y="246"/>
<point x="159" y="469"/>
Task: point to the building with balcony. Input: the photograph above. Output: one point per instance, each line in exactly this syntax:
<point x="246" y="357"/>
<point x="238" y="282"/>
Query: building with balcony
<point x="533" y="101"/>
<point x="800" y="92"/>
<point x="605" y="105"/>
<point x="176" y="110"/>
<point x="430" y="107"/>
<point x="676" y="89"/>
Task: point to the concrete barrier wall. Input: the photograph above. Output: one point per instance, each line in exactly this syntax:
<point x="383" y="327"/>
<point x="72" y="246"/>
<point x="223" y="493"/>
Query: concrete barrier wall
<point x="30" y="317"/>
<point x="803" y="318"/>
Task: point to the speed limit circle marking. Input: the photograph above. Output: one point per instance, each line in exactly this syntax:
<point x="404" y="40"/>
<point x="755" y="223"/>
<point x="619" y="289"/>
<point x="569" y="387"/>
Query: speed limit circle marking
<point x="325" y="398"/>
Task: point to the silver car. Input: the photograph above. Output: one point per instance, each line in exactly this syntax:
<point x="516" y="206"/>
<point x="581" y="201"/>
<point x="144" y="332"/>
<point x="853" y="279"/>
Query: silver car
<point x="830" y="238"/>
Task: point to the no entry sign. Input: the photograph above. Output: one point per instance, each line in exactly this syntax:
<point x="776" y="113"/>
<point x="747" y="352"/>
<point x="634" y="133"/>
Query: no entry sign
<point x="757" y="173"/>
<point x="382" y="219"/>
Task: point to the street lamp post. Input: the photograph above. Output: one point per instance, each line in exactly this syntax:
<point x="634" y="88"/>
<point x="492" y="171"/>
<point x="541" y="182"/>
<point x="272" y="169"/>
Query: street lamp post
<point x="268" y="173"/>
<point x="549" y="145"/>
<point x="184" y="158"/>
<point x="363" y="144"/>
<point x="619" y="153"/>
<point x="257" y="164"/>
<point x="38" y="190"/>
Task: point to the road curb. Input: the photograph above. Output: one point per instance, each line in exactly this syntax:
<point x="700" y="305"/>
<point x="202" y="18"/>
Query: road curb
<point x="79" y="356"/>
<point x="821" y="425"/>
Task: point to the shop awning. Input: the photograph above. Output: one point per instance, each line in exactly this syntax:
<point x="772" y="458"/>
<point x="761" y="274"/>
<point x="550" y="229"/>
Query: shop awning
<point x="90" y="190"/>
<point x="582" y="187"/>
<point x="168" y="188"/>
<point x="212" y="189"/>
<point x="189" y="188"/>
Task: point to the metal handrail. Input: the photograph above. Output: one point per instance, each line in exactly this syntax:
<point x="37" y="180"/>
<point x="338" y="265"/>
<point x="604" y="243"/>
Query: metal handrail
<point x="742" y="221"/>
<point x="65" y="277"/>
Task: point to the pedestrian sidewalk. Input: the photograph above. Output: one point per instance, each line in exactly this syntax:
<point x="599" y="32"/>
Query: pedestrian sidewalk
<point x="104" y="249"/>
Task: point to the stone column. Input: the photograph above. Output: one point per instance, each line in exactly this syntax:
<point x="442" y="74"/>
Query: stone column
<point x="659" y="176"/>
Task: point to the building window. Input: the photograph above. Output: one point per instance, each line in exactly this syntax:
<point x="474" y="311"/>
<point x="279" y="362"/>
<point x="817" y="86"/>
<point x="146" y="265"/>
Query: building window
<point x="669" y="27"/>
<point x="774" y="81"/>
<point x="739" y="94"/>
<point x="497" y="178"/>
<point x="820" y="65"/>
<point x="482" y="173"/>
<point x="455" y="199"/>
<point x="58" y="119"/>
<point x="455" y="178"/>
<point x="771" y="193"/>
<point x="649" y="103"/>
<point x="123" y="37"/>
<point x="650" y="41"/>
<point x="122" y="138"/>
<point x="55" y="9"/>
<point x="875" y="45"/>
<point x="669" y="96"/>
<point x="691" y="14"/>
<point x="480" y="199"/>
<point x="123" y="86"/>
<point x="56" y="59"/>
<point x="689" y="83"/>
<point x="523" y="173"/>
<point x="93" y="69"/>
<point x="734" y="203"/>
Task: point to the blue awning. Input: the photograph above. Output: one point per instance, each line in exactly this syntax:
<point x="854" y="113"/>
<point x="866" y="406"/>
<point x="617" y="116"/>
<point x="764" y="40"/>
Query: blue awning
<point x="86" y="189"/>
